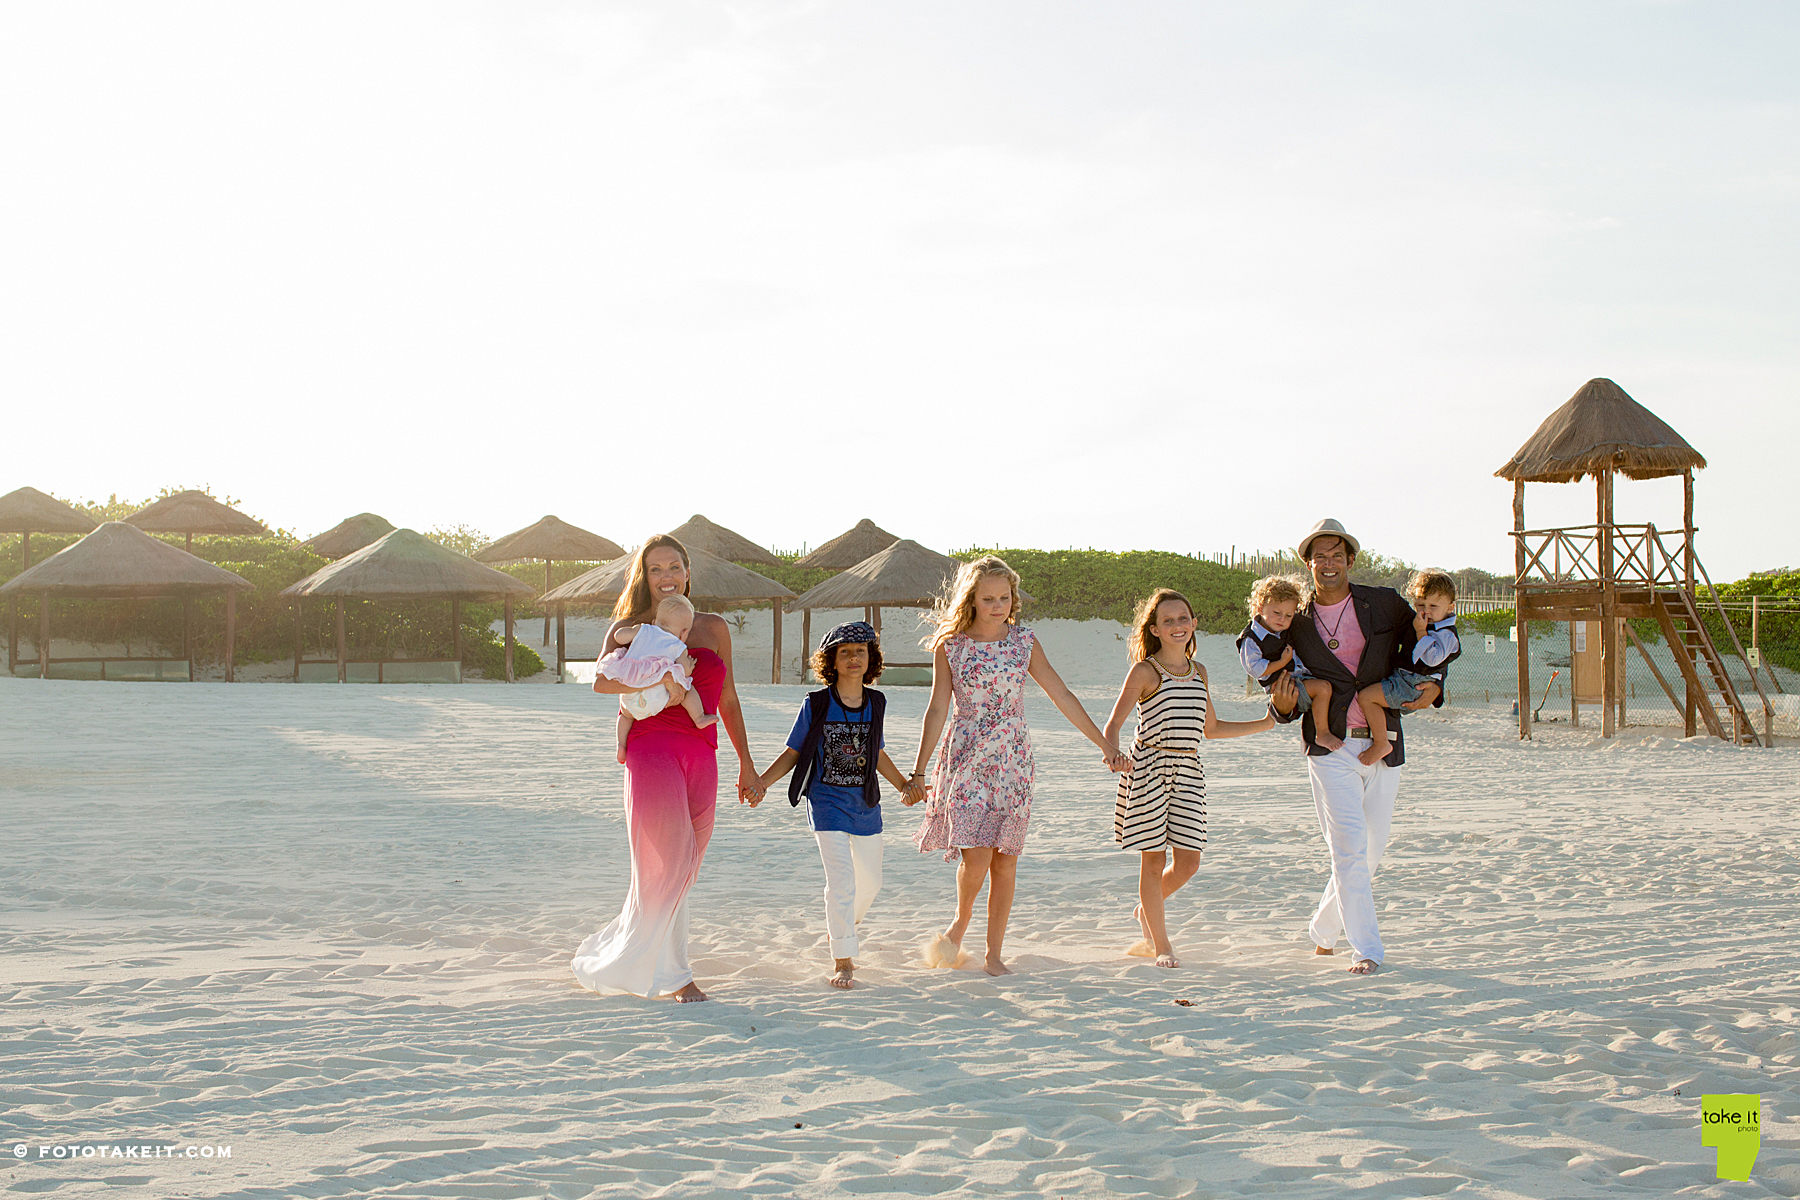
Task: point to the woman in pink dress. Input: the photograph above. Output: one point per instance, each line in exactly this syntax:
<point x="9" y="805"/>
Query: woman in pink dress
<point x="980" y="800"/>
<point x="671" y="788"/>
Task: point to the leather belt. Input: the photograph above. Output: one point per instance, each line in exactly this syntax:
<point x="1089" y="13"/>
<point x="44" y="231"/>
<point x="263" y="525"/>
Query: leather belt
<point x="1361" y="733"/>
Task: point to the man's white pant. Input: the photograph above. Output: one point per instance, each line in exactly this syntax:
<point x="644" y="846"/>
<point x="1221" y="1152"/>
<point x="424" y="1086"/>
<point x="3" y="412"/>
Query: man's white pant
<point x="1356" y="809"/>
<point x="852" y="877"/>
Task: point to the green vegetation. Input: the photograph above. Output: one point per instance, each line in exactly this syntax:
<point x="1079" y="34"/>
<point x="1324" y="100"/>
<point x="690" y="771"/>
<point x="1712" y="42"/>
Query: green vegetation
<point x="1079" y="584"/>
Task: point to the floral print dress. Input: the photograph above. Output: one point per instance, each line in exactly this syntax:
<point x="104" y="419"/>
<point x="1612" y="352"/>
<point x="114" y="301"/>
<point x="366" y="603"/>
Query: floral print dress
<point x="981" y="784"/>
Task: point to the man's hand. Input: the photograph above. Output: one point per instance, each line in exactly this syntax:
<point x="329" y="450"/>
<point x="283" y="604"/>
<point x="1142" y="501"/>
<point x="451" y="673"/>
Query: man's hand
<point x="1285" y="694"/>
<point x="677" y="693"/>
<point x="1428" y="692"/>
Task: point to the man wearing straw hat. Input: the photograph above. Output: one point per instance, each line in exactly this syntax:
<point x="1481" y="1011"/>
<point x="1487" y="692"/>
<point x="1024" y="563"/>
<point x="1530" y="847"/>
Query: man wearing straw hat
<point x="1352" y="635"/>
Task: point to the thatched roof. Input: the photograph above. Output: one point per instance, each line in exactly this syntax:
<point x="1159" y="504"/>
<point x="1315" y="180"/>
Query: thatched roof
<point x="552" y="538"/>
<point x="193" y="512"/>
<point x="905" y="573"/>
<point x="28" y="510"/>
<point x="404" y="564"/>
<point x="849" y="548"/>
<point x="710" y="578"/>
<point x="120" y="560"/>
<point x="1600" y="429"/>
<point x="701" y="534"/>
<point x="349" y="535"/>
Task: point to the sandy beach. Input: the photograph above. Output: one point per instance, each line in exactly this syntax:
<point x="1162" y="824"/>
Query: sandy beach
<point x="329" y="928"/>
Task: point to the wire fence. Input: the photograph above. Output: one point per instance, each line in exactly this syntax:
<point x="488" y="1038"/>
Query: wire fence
<point x="1487" y="671"/>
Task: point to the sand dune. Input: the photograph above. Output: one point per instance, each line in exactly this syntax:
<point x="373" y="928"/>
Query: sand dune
<point x="330" y="928"/>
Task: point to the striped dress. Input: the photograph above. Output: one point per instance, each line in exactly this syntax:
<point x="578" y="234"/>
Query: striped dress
<point x="1163" y="801"/>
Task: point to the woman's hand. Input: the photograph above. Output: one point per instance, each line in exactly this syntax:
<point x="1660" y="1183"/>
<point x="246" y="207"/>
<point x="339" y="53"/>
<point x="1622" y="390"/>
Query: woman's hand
<point x="750" y="785"/>
<point x="1116" y="759"/>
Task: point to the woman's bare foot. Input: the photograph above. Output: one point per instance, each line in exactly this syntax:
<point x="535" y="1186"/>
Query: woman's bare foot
<point x="1364" y="966"/>
<point x="1167" y="960"/>
<point x="844" y="975"/>
<point x="994" y="966"/>
<point x="691" y="994"/>
<point x="1321" y="949"/>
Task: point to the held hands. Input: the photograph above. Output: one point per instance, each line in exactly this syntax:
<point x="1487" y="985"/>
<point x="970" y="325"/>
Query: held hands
<point x="1116" y="759"/>
<point x="914" y="791"/>
<point x="751" y="788"/>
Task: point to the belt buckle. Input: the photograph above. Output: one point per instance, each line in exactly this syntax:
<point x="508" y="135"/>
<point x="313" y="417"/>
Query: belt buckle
<point x="1361" y="733"/>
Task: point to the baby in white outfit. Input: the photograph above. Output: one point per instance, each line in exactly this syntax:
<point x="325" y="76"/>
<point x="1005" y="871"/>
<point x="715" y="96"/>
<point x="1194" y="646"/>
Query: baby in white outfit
<point x="647" y="656"/>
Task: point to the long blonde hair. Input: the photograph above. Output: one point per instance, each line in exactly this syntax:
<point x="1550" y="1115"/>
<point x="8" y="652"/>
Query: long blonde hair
<point x="955" y="610"/>
<point x="1143" y="642"/>
<point x="634" y="602"/>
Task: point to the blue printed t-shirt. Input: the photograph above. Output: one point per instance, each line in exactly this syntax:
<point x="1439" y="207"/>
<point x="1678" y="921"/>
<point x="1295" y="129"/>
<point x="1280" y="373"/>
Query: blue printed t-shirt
<point x="836" y="799"/>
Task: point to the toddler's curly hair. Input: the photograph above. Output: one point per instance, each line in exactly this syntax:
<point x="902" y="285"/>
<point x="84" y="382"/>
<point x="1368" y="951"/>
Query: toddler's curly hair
<point x="1431" y="583"/>
<point x="1271" y="589"/>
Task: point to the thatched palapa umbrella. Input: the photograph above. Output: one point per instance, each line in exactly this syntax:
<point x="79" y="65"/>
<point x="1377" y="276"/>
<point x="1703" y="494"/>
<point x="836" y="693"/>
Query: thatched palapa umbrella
<point x="905" y="575"/>
<point x="26" y="511"/>
<point x="192" y="512"/>
<point x="349" y="535"/>
<point x="711" y="579"/>
<point x="701" y="534"/>
<point x="117" y="561"/>
<point x="404" y="565"/>
<point x="849" y="548"/>
<point x="551" y="539"/>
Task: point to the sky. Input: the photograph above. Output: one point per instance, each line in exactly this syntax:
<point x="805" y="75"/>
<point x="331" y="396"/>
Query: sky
<point x="1179" y="276"/>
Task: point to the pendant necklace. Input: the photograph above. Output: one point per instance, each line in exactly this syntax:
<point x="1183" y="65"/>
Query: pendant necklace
<point x="1333" y="642"/>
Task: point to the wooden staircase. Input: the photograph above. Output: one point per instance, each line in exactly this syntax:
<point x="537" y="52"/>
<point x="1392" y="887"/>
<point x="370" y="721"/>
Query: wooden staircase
<point x="1692" y="645"/>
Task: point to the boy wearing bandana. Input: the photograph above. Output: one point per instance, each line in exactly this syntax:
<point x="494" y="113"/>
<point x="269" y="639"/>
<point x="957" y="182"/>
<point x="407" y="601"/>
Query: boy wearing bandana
<point x="838" y="738"/>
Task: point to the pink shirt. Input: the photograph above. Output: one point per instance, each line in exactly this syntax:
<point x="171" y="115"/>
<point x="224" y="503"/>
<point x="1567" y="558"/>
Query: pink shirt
<point x="1339" y="621"/>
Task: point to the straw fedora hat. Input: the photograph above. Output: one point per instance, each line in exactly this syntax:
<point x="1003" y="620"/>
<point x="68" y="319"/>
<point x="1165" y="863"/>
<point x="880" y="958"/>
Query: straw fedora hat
<point x="1328" y="528"/>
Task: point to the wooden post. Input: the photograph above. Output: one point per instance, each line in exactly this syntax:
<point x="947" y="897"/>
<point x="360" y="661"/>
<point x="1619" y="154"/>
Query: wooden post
<point x="343" y="655"/>
<point x="547" y="611"/>
<point x="1521" y="628"/>
<point x="187" y="632"/>
<point x="1608" y="602"/>
<point x="190" y="541"/>
<point x="1687" y="557"/>
<point x="43" y="635"/>
<point x="1574" y="704"/>
<point x="509" y="639"/>
<point x="877" y="621"/>
<point x="775" y="672"/>
<point x="805" y="641"/>
<point x="869" y="613"/>
<point x="456" y="633"/>
<point x="27" y="548"/>
<point x="230" y="637"/>
<point x="299" y="645"/>
<point x="562" y="643"/>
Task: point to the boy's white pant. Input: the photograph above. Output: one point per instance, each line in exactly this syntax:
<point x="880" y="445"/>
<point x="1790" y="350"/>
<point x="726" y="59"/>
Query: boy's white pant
<point x="1355" y="805"/>
<point x="852" y="877"/>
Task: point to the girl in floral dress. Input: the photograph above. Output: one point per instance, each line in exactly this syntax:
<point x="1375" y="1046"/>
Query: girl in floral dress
<point x="980" y="800"/>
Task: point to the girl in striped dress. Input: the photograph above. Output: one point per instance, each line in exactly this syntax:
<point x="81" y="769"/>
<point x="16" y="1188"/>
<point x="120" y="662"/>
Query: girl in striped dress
<point x="1161" y="807"/>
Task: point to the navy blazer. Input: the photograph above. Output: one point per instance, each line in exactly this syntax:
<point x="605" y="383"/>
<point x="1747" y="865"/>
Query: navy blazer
<point x="1388" y="640"/>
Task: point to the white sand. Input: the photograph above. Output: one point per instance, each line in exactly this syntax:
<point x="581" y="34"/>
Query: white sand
<point x="329" y="927"/>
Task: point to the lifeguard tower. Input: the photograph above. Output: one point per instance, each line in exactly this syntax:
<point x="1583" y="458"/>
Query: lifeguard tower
<point x="1601" y="574"/>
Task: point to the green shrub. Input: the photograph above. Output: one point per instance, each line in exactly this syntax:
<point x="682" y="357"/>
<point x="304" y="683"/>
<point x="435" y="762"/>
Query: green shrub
<point x="1079" y="584"/>
<point x="485" y="651"/>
